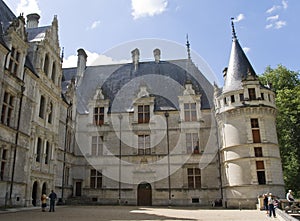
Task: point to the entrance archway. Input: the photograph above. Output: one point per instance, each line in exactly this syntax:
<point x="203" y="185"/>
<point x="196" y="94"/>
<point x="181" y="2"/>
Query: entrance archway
<point x="144" y="194"/>
<point x="34" y="193"/>
<point x="44" y="188"/>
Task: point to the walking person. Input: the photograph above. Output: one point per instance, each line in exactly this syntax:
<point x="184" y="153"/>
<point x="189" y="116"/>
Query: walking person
<point x="52" y="198"/>
<point x="266" y="203"/>
<point x="44" y="202"/>
<point x="271" y="202"/>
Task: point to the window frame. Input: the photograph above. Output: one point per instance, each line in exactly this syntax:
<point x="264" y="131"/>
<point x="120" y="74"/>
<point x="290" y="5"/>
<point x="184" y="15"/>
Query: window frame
<point x="194" y="178"/>
<point x="143" y="112"/>
<point x="7" y="108"/>
<point x="96" y="179"/>
<point x="144" y="144"/>
<point x="98" y="116"/>
<point x="190" y="111"/>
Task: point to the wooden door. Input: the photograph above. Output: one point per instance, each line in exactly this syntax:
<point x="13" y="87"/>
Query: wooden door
<point x="144" y="195"/>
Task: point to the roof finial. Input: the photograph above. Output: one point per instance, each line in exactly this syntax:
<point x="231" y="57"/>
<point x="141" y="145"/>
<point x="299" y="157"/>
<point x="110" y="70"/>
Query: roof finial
<point x="188" y="47"/>
<point x="233" y="29"/>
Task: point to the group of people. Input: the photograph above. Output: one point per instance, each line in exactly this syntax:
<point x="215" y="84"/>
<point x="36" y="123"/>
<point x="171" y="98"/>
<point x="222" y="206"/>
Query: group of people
<point x="271" y="202"/>
<point x="52" y="198"/>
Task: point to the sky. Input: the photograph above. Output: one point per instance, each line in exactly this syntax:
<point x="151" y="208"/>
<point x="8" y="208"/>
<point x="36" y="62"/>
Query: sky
<point x="268" y="30"/>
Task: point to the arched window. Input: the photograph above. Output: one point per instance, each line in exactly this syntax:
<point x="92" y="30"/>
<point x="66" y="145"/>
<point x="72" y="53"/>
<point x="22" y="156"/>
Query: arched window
<point x="53" y="75"/>
<point x="46" y="64"/>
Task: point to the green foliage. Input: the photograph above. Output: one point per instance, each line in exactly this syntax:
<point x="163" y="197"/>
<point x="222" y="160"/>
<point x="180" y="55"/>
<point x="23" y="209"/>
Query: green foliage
<point x="286" y="85"/>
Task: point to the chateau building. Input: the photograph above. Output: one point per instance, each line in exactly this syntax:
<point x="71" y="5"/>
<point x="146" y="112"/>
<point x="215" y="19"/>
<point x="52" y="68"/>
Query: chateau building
<point x="141" y="133"/>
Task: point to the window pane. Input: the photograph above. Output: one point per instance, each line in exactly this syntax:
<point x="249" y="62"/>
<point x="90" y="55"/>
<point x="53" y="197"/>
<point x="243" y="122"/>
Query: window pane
<point x="260" y="165"/>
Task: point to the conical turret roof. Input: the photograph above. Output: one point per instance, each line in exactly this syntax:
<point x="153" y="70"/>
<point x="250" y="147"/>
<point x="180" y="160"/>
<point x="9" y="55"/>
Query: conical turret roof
<point x="239" y="66"/>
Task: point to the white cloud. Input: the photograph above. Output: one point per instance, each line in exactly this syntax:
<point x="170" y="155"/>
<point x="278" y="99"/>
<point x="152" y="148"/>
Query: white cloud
<point x="273" y="18"/>
<point x="284" y="4"/>
<point x="28" y="7"/>
<point x="143" y="8"/>
<point x="92" y="60"/>
<point x="274" y="8"/>
<point x="94" y="25"/>
<point x="279" y="24"/>
<point x="268" y="26"/>
<point x="239" y="18"/>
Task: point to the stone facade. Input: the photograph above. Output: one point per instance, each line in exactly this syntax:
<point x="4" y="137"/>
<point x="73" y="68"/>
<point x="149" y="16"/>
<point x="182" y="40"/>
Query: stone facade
<point x="142" y="133"/>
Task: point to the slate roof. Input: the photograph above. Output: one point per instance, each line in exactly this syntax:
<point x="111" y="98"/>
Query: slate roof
<point x="238" y="69"/>
<point x="120" y="84"/>
<point x="37" y="34"/>
<point x="6" y="17"/>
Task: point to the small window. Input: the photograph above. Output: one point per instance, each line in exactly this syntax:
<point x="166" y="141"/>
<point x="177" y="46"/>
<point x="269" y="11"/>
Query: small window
<point x="95" y="179"/>
<point x="241" y="97"/>
<point x="38" y="150"/>
<point x="53" y="75"/>
<point x="252" y="95"/>
<point x="46" y="64"/>
<point x="98" y="116"/>
<point x="14" y="61"/>
<point x="232" y="99"/>
<point x="260" y="165"/>
<point x="143" y="113"/>
<point x="190" y="113"/>
<point x="7" y="109"/>
<point x="42" y="107"/>
<point x="144" y="145"/>
<point x="3" y="162"/>
<point x="262" y="96"/>
<point x="225" y="101"/>
<point x="254" y="123"/>
<point x="194" y="178"/>
<point x="258" y="152"/>
<point x="195" y="200"/>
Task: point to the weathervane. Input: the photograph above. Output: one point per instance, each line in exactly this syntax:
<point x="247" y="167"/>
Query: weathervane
<point x="233" y="29"/>
<point x="188" y="47"/>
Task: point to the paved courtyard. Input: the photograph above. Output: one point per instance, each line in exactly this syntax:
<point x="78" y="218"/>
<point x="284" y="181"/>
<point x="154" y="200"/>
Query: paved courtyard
<point x="113" y="213"/>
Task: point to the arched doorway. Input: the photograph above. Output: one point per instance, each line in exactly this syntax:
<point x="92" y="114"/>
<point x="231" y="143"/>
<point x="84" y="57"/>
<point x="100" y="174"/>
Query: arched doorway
<point x="44" y="188"/>
<point x="144" y="194"/>
<point x="34" y="193"/>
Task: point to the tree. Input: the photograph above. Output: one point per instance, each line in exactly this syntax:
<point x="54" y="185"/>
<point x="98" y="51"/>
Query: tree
<point x="286" y="85"/>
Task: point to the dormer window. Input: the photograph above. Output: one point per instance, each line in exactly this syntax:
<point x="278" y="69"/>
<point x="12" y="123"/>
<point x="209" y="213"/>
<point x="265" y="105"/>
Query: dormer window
<point x="143" y="113"/>
<point x="46" y="64"/>
<point x="98" y="116"/>
<point x="14" y="61"/>
<point x="252" y="95"/>
<point x="190" y="113"/>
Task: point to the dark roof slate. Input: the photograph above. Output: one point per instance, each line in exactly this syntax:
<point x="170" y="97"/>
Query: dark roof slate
<point x="238" y="69"/>
<point x="120" y="84"/>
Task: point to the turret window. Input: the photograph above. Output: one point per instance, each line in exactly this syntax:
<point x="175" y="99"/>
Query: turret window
<point x="258" y="152"/>
<point x="255" y="131"/>
<point x="42" y="107"/>
<point x="241" y="97"/>
<point x="232" y="98"/>
<point x="252" y="95"/>
<point x="260" y="169"/>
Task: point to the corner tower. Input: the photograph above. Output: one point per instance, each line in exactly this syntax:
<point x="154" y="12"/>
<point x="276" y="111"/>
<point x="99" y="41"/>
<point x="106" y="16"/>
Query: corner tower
<point x="249" y="151"/>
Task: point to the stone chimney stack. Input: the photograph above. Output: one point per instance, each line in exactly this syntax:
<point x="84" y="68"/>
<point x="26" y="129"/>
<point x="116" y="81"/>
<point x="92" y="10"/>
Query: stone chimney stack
<point x="135" y="58"/>
<point x="33" y="20"/>
<point x="81" y="62"/>
<point x="156" y="54"/>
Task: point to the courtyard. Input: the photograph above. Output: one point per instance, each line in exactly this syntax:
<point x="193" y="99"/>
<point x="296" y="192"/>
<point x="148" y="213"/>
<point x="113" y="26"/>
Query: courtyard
<point x="112" y="213"/>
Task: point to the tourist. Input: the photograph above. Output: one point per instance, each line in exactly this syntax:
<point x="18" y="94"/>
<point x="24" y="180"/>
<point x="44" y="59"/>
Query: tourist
<point x="44" y="201"/>
<point x="271" y="202"/>
<point x="52" y="198"/>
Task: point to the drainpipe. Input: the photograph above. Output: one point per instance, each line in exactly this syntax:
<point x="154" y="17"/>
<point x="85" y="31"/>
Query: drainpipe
<point x="168" y="152"/>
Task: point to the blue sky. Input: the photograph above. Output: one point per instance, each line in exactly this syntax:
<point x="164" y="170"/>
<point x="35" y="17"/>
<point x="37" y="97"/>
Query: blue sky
<point x="268" y="31"/>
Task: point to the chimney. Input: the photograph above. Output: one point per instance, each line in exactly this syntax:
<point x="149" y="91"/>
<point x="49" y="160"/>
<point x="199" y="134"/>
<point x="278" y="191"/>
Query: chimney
<point x="156" y="54"/>
<point x="81" y="62"/>
<point x="33" y="20"/>
<point x="135" y="57"/>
